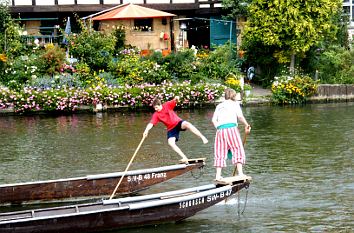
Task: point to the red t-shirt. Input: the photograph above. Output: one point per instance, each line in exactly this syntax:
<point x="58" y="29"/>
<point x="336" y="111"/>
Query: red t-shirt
<point x="166" y="115"/>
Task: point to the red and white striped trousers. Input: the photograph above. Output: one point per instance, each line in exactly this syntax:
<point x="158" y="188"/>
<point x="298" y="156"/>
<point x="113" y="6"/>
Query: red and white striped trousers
<point x="228" y="139"/>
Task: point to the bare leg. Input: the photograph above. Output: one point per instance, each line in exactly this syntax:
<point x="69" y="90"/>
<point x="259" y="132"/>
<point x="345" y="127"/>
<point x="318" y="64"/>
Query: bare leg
<point x="193" y="129"/>
<point x="239" y="169"/>
<point x="218" y="173"/>
<point x="172" y="143"/>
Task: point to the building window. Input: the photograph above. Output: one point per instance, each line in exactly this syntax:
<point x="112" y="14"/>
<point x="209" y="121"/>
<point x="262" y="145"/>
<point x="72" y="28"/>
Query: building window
<point x="144" y="25"/>
<point x="346" y="10"/>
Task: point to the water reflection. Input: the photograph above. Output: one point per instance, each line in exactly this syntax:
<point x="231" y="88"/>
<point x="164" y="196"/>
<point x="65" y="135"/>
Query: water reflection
<point x="300" y="158"/>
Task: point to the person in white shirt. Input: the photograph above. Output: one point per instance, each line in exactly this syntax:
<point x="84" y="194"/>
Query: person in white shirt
<point x="228" y="136"/>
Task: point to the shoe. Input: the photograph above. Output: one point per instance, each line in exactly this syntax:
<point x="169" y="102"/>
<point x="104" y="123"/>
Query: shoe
<point x="242" y="176"/>
<point x="219" y="178"/>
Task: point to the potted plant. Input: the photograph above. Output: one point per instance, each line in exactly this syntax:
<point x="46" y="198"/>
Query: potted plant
<point x="146" y="52"/>
<point x="247" y="89"/>
<point x="165" y="52"/>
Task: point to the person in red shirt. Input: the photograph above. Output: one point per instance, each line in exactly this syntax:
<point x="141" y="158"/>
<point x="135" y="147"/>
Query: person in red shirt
<point x="164" y="113"/>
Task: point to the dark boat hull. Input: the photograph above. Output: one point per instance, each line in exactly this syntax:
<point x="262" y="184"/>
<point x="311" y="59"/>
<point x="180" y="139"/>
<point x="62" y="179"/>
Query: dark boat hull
<point x="93" y="185"/>
<point x="117" y="215"/>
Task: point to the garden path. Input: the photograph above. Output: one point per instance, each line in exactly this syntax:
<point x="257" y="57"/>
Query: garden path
<point x="259" y="95"/>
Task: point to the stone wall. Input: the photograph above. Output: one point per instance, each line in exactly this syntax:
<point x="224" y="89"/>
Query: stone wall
<point x="334" y="92"/>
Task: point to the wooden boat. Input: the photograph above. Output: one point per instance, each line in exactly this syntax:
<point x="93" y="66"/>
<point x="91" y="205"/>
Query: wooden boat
<point x="123" y="212"/>
<point x="93" y="185"/>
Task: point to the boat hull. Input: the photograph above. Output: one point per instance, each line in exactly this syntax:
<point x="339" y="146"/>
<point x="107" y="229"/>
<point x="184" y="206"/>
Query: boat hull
<point x="101" y="217"/>
<point x="91" y="186"/>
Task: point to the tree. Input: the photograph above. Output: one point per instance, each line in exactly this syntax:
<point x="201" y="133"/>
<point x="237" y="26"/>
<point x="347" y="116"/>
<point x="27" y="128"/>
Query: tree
<point x="236" y="8"/>
<point x="5" y="21"/>
<point x="293" y="26"/>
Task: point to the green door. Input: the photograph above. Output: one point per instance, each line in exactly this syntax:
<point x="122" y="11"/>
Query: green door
<point x="222" y="31"/>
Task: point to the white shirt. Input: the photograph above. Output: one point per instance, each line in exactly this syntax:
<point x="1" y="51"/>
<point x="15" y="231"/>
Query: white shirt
<point x="226" y="112"/>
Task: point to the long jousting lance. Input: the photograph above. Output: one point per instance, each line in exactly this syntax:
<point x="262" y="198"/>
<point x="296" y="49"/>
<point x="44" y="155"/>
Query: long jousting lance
<point x="131" y="160"/>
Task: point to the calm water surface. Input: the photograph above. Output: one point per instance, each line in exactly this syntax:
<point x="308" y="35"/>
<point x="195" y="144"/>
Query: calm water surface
<point x="300" y="159"/>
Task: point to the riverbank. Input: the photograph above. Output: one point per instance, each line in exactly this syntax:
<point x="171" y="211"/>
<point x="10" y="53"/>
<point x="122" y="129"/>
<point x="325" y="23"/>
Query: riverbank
<point x="326" y="93"/>
<point x="258" y="96"/>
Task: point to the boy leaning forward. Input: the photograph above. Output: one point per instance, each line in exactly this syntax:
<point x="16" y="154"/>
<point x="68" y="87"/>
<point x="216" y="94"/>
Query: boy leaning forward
<point x="165" y="113"/>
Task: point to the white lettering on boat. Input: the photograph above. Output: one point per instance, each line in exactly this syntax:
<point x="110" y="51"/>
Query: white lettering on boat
<point x="159" y="175"/>
<point x="148" y="176"/>
<point x="202" y="200"/>
<point x="193" y="202"/>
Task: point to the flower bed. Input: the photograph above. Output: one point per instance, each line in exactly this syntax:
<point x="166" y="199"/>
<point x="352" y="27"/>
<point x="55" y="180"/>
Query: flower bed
<point x="293" y="90"/>
<point x="70" y="99"/>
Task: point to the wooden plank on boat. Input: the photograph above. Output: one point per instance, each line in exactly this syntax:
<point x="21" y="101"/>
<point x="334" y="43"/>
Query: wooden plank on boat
<point x="196" y="160"/>
<point x="192" y="161"/>
<point x="232" y="179"/>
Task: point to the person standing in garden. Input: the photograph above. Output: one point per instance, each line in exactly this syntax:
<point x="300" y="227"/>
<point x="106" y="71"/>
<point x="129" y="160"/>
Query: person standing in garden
<point x="227" y="135"/>
<point x="164" y="113"/>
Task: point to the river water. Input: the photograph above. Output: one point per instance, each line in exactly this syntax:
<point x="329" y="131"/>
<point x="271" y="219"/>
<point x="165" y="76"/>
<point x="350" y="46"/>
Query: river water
<point x="300" y="158"/>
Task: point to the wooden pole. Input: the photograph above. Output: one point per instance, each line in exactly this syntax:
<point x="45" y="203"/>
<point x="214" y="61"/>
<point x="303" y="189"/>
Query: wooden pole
<point x="126" y="169"/>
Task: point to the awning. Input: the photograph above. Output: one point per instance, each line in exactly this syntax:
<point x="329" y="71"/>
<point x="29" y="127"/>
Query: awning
<point x="132" y="11"/>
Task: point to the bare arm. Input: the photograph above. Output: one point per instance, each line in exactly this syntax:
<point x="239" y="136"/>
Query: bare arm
<point x="244" y="121"/>
<point x="147" y="129"/>
<point x="215" y="120"/>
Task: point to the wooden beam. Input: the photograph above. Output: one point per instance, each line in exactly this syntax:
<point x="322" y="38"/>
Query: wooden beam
<point x="170" y="7"/>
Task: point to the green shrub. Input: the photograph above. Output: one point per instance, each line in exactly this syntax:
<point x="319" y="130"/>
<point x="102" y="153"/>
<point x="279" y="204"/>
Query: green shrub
<point x="181" y="65"/>
<point x="20" y="69"/>
<point x="83" y="71"/>
<point x="131" y="69"/>
<point x="219" y="63"/>
<point x="336" y="66"/>
<point x="119" y="34"/>
<point x="53" y="59"/>
<point x="94" y="48"/>
<point x="11" y="43"/>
